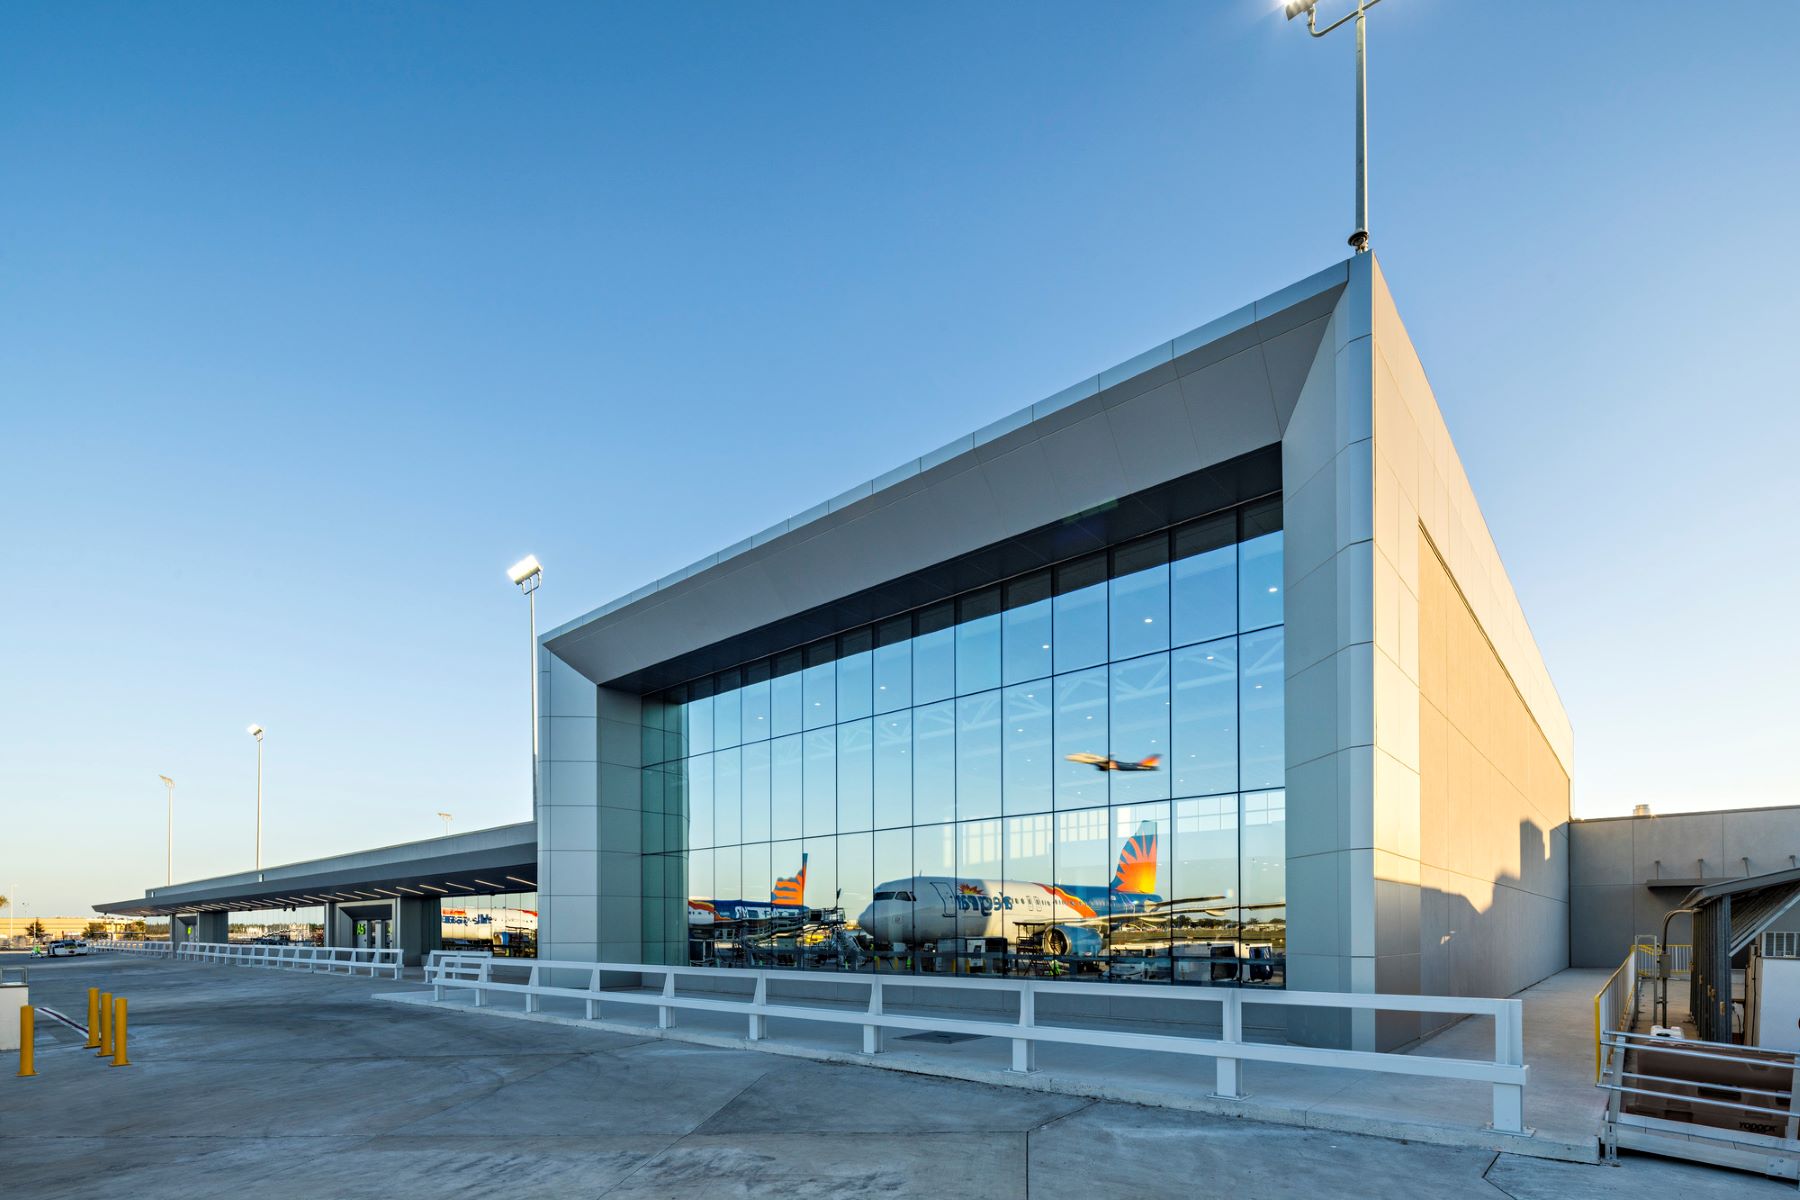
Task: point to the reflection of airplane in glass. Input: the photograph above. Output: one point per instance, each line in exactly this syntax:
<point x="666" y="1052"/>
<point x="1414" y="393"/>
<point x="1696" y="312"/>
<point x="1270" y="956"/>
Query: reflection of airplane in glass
<point x="1071" y="919"/>
<point x="787" y="898"/>
<point x="1101" y="762"/>
<point x="486" y="926"/>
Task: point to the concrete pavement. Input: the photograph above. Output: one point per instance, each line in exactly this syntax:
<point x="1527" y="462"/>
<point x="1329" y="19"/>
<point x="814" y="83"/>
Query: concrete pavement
<point x="278" y="1085"/>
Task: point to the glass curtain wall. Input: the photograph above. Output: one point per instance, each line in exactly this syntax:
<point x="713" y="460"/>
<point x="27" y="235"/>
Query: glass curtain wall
<point x="504" y="923"/>
<point x="1078" y="772"/>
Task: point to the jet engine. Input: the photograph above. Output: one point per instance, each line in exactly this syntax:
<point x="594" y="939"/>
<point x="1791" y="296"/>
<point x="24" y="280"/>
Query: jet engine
<point x="1073" y="941"/>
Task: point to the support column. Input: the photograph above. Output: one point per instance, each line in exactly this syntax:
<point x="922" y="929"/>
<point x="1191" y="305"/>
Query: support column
<point x="418" y="928"/>
<point x="212" y="927"/>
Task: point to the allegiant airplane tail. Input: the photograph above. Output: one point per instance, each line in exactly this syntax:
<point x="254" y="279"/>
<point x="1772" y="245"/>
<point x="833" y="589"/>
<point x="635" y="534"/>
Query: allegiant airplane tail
<point x="791" y="890"/>
<point x="1136" y="873"/>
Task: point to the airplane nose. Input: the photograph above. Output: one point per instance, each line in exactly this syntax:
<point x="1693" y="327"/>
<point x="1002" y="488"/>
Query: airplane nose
<point x="866" y="918"/>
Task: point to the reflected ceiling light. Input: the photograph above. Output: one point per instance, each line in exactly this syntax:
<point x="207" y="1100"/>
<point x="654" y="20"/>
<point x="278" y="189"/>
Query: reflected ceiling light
<point x="527" y="882"/>
<point x="408" y="890"/>
<point x="485" y="883"/>
<point x="445" y="891"/>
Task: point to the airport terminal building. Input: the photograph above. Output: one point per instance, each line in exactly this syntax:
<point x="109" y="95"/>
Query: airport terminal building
<point x="1205" y="670"/>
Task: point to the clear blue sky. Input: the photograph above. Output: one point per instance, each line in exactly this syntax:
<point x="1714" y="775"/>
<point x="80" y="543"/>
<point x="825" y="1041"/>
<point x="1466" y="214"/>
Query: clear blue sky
<point x="313" y="318"/>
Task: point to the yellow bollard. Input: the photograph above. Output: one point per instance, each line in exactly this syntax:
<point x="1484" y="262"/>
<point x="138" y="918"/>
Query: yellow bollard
<point x="105" y="1025"/>
<point x="93" y="1042"/>
<point x="118" y="1032"/>
<point x="27" y="1038"/>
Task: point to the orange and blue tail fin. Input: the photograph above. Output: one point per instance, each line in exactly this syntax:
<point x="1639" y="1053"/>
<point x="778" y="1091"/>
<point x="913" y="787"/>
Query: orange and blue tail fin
<point x="791" y="890"/>
<point x="1136" y="873"/>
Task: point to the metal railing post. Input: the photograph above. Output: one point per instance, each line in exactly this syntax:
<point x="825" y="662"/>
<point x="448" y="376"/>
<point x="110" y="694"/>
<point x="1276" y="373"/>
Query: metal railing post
<point x="1228" y="1083"/>
<point x="533" y="1002"/>
<point x="593" y="1001"/>
<point x="759" y="1024"/>
<point x="665" y="1016"/>
<point x="481" y="977"/>
<point x="872" y="1033"/>
<point x="1509" y="1050"/>
<point x="1024" y="1050"/>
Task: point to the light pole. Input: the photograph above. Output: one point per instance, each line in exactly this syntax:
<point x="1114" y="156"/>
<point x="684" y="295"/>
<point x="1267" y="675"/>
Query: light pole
<point x="446" y="819"/>
<point x="528" y="574"/>
<point x="256" y="731"/>
<point x="169" y="851"/>
<point x="1359" y="240"/>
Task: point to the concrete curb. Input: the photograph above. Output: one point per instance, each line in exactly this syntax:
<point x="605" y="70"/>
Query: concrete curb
<point x="1532" y="1145"/>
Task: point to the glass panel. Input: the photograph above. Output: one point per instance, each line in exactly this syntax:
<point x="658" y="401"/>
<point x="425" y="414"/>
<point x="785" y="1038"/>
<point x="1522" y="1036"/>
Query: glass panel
<point x="1203" y="583"/>
<point x="1205" y="881"/>
<point x="699" y="888"/>
<point x="1030" y="860"/>
<point x="728" y="715"/>
<point x="893" y="870"/>
<point x="978" y="642"/>
<point x="756" y="792"/>
<point x="934" y="655"/>
<point x="728" y="807"/>
<point x="1026" y="765"/>
<point x="756" y="711"/>
<point x="787" y="874"/>
<point x="855" y="776"/>
<point x="785" y="700"/>
<point x="893" y="665"/>
<point x="1205" y="740"/>
<point x="1025" y="629"/>
<point x="856" y="883"/>
<point x="784" y="787"/>
<point x="1141" y="881"/>
<point x="978" y="756"/>
<point x="1261" y="687"/>
<point x="1264" y="876"/>
<point x="1139" y="598"/>
<point x="1080" y="614"/>
<point x="700" y="800"/>
<point x="699" y="726"/>
<point x="757" y="880"/>
<point x="855" y="673"/>
<point x="934" y="762"/>
<point x="934" y="883"/>
<point x="1259" y="582"/>
<point x="819" y="888"/>
<point x="1140" y="729"/>
<point x="1080" y="731"/>
<point x="1083" y="871"/>
<point x="821" y="782"/>
<point x="893" y="770"/>
<point x="728" y="880"/>
<point x="981" y="914"/>
<point x="820" y="688"/>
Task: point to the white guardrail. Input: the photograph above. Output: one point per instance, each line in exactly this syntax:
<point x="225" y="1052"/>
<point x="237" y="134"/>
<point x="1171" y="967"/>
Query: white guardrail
<point x="1506" y="1072"/>
<point x="342" y="960"/>
<point x="152" y="949"/>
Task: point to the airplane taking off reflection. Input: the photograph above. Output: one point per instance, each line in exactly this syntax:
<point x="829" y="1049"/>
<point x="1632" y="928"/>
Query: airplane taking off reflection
<point x="1101" y="762"/>
<point x="1072" y="918"/>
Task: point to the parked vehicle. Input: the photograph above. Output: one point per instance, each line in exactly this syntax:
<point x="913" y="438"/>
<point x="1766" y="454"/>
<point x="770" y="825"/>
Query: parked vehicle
<point x="67" y="947"/>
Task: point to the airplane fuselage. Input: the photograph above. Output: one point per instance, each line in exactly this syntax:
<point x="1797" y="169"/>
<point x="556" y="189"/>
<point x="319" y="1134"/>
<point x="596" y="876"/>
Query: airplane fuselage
<point x="932" y="908"/>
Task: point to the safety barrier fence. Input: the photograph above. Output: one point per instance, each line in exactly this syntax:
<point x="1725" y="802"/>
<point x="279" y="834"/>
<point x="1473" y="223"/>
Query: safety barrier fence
<point x="150" y="949"/>
<point x="340" y="960"/>
<point x="1506" y="1072"/>
<point x="1615" y="1007"/>
<point x="1714" y="1102"/>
